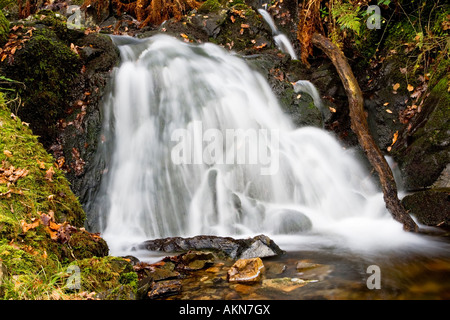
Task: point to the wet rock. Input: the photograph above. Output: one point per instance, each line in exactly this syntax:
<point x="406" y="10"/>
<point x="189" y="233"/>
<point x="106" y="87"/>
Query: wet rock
<point x="305" y="264"/>
<point x="246" y="271"/>
<point x="312" y="271"/>
<point x="259" y="246"/>
<point x="422" y="149"/>
<point x="196" y="260"/>
<point x="164" y="288"/>
<point x="286" y="221"/>
<point x="285" y="284"/>
<point x="431" y="207"/>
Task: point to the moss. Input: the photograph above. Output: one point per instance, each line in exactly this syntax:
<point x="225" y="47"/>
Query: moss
<point x="4" y="29"/>
<point x="210" y="6"/>
<point x="111" y="277"/>
<point x="39" y="190"/>
<point x="48" y="67"/>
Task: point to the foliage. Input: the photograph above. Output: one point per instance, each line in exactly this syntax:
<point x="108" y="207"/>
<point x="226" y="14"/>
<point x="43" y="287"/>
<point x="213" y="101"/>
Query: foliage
<point x="146" y="11"/>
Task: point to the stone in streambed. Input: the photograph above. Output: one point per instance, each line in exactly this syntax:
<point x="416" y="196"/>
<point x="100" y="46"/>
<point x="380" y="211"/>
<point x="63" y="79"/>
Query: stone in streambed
<point x="259" y="246"/>
<point x="246" y="271"/>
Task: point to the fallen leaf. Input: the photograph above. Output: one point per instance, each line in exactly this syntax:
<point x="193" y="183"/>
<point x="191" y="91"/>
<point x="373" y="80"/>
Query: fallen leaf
<point x="245" y="26"/>
<point x="394" y="139"/>
<point x="385" y="104"/>
<point x="410" y="88"/>
<point x="184" y="35"/>
<point x="49" y="174"/>
<point x="388" y="111"/>
<point x="233" y="19"/>
<point x="333" y="110"/>
<point x="7" y="153"/>
<point x="27" y="226"/>
<point x="41" y="164"/>
<point x="396" y="86"/>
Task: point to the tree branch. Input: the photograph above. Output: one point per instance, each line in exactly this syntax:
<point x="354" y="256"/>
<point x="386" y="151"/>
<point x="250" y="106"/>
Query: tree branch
<point x="360" y="127"/>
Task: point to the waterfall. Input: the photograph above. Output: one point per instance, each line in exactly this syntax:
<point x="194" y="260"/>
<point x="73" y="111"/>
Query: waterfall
<point x="195" y="142"/>
<point x="281" y="40"/>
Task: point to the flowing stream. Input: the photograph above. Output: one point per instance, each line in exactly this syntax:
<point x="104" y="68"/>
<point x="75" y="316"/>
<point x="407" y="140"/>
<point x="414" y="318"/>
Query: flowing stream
<point x="195" y="142"/>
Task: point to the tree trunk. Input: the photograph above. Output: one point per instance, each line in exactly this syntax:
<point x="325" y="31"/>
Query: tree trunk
<point x="360" y="127"/>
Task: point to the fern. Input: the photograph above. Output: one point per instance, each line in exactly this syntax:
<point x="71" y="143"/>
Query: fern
<point x="347" y="16"/>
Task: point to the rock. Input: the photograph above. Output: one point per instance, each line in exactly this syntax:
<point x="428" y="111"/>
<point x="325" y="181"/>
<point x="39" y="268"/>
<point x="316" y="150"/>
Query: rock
<point x="313" y="271"/>
<point x="246" y="271"/>
<point x="259" y="246"/>
<point x="164" y="288"/>
<point x="431" y="207"/>
<point x="196" y="260"/>
<point x="285" y="284"/>
<point x="422" y="149"/>
<point x="287" y="221"/>
<point x="304" y="264"/>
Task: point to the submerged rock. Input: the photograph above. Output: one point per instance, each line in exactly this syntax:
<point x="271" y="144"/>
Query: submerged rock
<point x="259" y="246"/>
<point x="246" y="271"/>
<point x="164" y="288"/>
<point x="285" y="284"/>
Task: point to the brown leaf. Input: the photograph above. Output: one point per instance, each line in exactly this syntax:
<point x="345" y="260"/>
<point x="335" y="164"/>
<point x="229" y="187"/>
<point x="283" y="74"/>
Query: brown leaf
<point x="27" y="226"/>
<point x="41" y="164"/>
<point x="49" y="174"/>
<point x="7" y="153"/>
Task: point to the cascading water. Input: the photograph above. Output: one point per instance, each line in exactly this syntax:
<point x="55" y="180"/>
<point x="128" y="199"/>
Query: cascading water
<point x="195" y="143"/>
<point x="281" y="40"/>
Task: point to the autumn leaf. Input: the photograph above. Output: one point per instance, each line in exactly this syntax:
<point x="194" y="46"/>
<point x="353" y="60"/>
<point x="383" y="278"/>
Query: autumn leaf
<point x="394" y="139"/>
<point x="184" y="35"/>
<point x="396" y="86"/>
<point x="7" y="153"/>
<point x="410" y="88"/>
<point x="27" y="226"/>
<point x="388" y="111"/>
<point x="41" y="164"/>
<point x="233" y="19"/>
<point x="49" y="174"/>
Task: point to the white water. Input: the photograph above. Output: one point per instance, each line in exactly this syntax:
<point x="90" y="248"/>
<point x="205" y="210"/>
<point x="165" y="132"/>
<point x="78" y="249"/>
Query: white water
<point x="281" y="40"/>
<point x="164" y="86"/>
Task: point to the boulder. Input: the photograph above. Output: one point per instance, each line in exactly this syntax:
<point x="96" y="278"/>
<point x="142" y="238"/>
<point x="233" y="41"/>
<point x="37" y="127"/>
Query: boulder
<point x="259" y="246"/>
<point x="430" y="207"/>
<point x="246" y="271"/>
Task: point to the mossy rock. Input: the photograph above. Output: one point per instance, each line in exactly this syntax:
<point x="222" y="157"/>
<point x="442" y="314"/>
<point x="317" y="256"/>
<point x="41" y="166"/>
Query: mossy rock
<point x="431" y="207"/>
<point x="47" y="67"/>
<point x="35" y="261"/>
<point x="423" y="152"/>
<point x="113" y="278"/>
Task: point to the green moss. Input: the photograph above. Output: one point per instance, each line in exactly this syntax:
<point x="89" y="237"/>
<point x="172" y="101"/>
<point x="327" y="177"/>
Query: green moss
<point x="47" y="67"/>
<point x="210" y="6"/>
<point x="111" y="277"/>
<point x="4" y="29"/>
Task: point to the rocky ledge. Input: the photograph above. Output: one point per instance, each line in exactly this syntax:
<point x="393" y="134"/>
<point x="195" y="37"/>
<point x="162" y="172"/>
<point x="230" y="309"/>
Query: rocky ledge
<point x="259" y="246"/>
